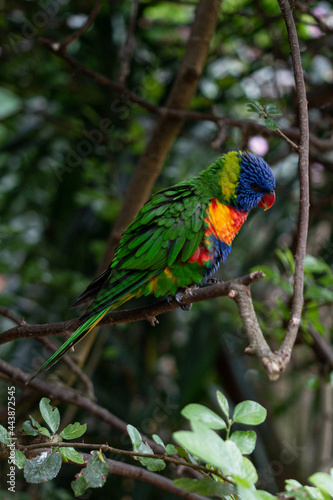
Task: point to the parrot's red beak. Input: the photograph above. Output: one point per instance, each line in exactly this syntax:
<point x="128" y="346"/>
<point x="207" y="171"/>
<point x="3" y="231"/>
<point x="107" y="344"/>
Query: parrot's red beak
<point x="267" y="200"/>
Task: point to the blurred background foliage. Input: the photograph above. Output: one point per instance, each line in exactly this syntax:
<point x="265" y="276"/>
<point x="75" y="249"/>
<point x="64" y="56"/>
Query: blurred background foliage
<point x="64" y="172"/>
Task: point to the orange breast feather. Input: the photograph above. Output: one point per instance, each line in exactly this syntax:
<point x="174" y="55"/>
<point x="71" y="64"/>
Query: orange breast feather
<point x="223" y="221"/>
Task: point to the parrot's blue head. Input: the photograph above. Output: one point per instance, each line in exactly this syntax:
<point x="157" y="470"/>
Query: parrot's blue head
<point x="256" y="184"/>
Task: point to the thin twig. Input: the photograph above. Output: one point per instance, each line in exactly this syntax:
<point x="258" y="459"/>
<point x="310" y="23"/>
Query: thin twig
<point x="133" y="454"/>
<point x="117" y="467"/>
<point x="65" y="42"/>
<point x="297" y="301"/>
<point x="288" y="134"/>
<point x="321" y="347"/>
<point x="127" y="49"/>
<point x="10" y="315"/>
<point x="281" y="134"/>
<point x="321" y="25"/>
<point x="98" y="77"/>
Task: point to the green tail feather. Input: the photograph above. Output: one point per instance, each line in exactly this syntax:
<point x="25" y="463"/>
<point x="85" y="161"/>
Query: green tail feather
<point x="78" y="335"/>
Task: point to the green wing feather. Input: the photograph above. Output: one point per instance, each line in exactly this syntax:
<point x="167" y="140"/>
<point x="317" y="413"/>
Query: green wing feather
<point x="168" y="227"/>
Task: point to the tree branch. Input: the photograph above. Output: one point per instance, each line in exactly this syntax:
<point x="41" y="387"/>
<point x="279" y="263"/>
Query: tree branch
<point x="289" y="134"/>
<point x="105" y="448"/>
<point x="68" y="395"/>
<point x="147" y="313"/>
<point x="238" y="290"/>
<point x="144" y="475"/>
<point x="10" y="315"/>
<point x="96" y="76"/>
<point x="127" y="49"/>
<point x="76" y="34"/>
<point x="297" y="301"/>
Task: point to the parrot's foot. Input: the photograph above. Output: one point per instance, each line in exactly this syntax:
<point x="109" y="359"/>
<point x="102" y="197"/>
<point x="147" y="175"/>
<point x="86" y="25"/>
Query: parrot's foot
<point x="178" y="299"/>
<point x="214" y="281"/>
<point x="179" y="296"/>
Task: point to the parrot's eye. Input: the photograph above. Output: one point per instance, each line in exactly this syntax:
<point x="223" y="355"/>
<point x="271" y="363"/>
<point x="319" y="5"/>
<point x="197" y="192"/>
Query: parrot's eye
<point x="255" y="186"/>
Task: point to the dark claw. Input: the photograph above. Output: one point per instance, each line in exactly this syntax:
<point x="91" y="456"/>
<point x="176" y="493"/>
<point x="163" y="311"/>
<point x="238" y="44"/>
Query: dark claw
<point x="214" y="281"/>
<point x="185" y="307"/>
<point x="170" y="299"/>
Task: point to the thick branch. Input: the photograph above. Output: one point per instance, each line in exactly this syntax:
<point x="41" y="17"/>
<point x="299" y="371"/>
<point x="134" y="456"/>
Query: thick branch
<point x="238" y="290"/>
<point x="144" y="475"/>
<point x="148" y="313"/>
<point x="258" y="344"/>
<point x="297" y="301"/>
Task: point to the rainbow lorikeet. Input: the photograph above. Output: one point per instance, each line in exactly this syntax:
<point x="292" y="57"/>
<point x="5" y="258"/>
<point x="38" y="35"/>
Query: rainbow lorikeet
<point x="179" y="237"/>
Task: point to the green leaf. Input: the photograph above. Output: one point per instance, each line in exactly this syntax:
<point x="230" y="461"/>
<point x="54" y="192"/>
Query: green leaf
<point x="73" y="431"/>
<point x="135" y="436"/>
<point x="171" y="449"/>
<point x="20" y="459"/>
<point x="34" y="422"/>
<point x="205" y="486"/>
<point x="313" y="382"/>
<point x="245" y="440"/>
<point x="28" y="429"/>
<point x="69" y="453"/>
<point x="315" y="265"/>
<point x="253" y="109"/>
<point x="249" y="412"/>
<point x="204" y="415"/>
<point x="44" y="431"/>
<point x="80" y="485"/>
<point x="93" y="475"/>
<point x="271" y="124"/>
<point x="264" y="495"/>
<point x="291" y="484"/>
<point x="271" y="109"/>
<point x="323" y="481"/>
<point x="255" y="106"/>
<point x="208" y="446"/>
<point x="316" y="292"/>
<point x="152" y="464"/>
<point x="4" y="436"/>
<point x="9" y="103"/>
<point x="50" y="414"/>
<point x="42" y="468"/>
<point x="185" y="454"/>
<point x="158" y="440"/>
<point x="223" y="402"/>
<point x="246" y="492"/>
<point x="248" y="471"/>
